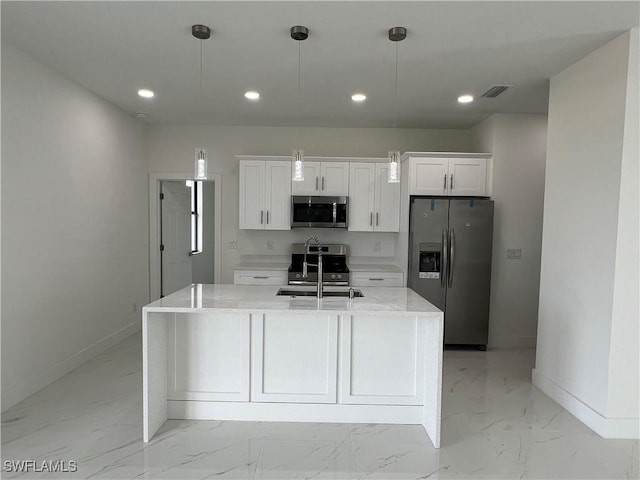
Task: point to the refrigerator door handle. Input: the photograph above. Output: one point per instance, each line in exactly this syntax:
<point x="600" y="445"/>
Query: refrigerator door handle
<point x="444" y="266"/>
<point x="452" y="239"/>
<point x="445" y="182"/>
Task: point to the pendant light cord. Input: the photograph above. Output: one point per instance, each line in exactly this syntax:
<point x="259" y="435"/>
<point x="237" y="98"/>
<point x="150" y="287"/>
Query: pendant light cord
<point x="395" y="104"/>
<point x="201" y="74"/>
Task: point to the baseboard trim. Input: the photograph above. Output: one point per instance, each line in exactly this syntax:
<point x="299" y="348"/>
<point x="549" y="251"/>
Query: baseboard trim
<point x="606" y="427"/>
<point x="512" y="341"/>
<point x="16" y="390"/>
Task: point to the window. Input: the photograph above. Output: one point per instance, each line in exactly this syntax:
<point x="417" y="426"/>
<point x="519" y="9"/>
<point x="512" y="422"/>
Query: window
<point x="196" y="216"/>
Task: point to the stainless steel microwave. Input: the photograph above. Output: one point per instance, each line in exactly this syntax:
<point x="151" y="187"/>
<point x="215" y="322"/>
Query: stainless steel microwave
<point x="319" y="212"/>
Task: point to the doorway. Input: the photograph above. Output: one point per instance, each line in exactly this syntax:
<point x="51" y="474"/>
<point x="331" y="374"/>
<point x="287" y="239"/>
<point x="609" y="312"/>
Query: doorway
<point x="176" y="259"/>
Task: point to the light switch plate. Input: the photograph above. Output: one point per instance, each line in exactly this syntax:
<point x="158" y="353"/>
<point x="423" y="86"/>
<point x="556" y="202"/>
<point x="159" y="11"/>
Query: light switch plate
<point x="514" y="253"/>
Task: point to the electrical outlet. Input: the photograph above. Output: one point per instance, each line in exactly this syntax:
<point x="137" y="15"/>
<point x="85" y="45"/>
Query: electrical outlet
<point x="269" y="244"/>
<point x="376" y="247"/>
<point x="514" y="253"/>
<point x="233" y="244"/>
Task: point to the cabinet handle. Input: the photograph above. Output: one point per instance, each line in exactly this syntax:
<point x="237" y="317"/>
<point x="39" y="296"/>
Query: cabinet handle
<point x="377" y="215"/>
<point x="260" y="278"/>
<point x="267" y="217"/>
<point x="376" y="279"/>
<point x="445" y="182"/>
<point x="322" y="183"/>
<point x="316" y="183"/>
<point x="261" y="216"/>
<point x="371" y="220"/>
<point x="451" y="183"/>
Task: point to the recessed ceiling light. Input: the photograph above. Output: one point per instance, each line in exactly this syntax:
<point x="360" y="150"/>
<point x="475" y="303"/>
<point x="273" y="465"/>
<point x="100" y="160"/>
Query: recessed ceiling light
<point x="146" y="93"/>
<point x="465" y="98"/>
<point x="252" y="95"/>
<point x="358" y="97"/>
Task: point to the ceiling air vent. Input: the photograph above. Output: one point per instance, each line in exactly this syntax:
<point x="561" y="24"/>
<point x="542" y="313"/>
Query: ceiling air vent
<point x="495" y="91"/>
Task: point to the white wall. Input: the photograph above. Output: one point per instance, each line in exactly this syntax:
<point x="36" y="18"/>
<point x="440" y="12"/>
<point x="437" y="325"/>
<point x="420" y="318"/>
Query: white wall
<point x="75" y="223"/>
<point x="624" y="367"/>
<point x="581" y="256"/>
<point x="518" y="143"/>
<point x="171" y="150"/>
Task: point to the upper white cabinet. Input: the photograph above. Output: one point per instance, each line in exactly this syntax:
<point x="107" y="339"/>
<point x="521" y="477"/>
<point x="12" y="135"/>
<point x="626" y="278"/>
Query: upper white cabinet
<point x="265" y="194"/>
<point x="323" y="178"/>
<point x="374" y="204"/>
<point x="455" y="176"/>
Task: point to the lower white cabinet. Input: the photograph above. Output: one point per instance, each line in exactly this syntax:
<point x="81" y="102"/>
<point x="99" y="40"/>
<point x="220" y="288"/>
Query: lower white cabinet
<point x="295" y="358"/>
<point x="382" y="360"/>
<point x="260" y="277"/>
<point x="376" y="279"/>
<point x="208" y="357"/>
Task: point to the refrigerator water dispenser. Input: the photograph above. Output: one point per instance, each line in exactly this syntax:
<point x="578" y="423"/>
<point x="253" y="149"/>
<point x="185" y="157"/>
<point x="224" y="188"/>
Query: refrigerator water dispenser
<point x="430" y="260"/>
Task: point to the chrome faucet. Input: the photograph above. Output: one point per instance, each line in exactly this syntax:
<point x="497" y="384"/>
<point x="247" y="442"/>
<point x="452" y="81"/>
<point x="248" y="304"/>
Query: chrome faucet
<point x="305" y="265"/>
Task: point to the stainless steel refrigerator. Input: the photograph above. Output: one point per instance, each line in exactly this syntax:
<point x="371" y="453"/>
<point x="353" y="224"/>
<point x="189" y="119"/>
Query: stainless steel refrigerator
<point x="450" y="263"/>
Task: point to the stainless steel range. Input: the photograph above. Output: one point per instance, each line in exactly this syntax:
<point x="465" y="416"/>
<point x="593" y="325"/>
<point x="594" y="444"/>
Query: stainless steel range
<point x="334" y="259"/>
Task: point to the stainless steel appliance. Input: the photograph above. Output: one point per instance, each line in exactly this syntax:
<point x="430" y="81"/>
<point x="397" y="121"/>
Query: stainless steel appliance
<point x="334" y="262"/>
<point x="319" y="212"/>
<point x="450" y="263"/>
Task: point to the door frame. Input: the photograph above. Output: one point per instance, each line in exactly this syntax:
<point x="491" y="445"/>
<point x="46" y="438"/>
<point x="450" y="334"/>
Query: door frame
<point x="154" y="226"/>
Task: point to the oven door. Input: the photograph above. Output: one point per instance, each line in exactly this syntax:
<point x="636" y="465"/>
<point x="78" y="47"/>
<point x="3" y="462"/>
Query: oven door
<point x="319" y="212"/>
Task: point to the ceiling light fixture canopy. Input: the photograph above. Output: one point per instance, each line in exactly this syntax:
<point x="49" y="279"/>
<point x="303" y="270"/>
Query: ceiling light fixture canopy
<point x="201" y="32"/>
<point x="298" y="33"/>
<point x="396" y="34"/>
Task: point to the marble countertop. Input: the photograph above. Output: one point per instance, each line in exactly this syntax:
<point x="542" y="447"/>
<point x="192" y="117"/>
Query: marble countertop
<point x="366" y="267"/>
<point x="259" y="298"/>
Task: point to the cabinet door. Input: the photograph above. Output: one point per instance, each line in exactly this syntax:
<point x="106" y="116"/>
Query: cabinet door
<point x="382" y="360"/>
<point x="376" y="279"/>
<point x="362" y="197"/>
<point x="278" y="196"/>
<point x="208" y="357"/>
<point x="259" y="277"/>
<point x="387" y="201"/>
<point x="294" y="358"/>
<point x="311" y="183"/>
<point x="428" y="176"/>
<point x="251" y="205"/>
<point x="334" y="178"/>
<point x="467" y="176"/>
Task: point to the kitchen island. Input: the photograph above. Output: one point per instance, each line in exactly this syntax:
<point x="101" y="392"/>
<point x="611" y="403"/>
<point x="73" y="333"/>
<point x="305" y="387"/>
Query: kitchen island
<point x="236" y="352"/>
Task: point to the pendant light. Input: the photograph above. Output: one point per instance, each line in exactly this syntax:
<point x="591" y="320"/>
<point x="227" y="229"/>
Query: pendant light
<point x="201" y="32"/>
<point x="299" y="33"/>
<point x="396" y="34"/>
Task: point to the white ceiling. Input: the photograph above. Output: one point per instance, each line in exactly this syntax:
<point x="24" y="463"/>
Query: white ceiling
<point x="114" y="48"/>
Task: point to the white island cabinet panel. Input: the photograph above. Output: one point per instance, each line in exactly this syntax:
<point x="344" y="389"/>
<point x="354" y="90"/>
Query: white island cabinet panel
<point x="209" y="357"/>
<point x="382" y="360"/>
<point x="294" y="358"/>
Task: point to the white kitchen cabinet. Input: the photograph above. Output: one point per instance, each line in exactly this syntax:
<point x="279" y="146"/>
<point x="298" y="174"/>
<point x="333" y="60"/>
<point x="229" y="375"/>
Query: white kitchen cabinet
<point x="208" y="357"/>
<point x="260" y="277"/>
<point x="323" y="179"/>
<point x="465" y="176"/>
<point x="376" y="279"/>
<point x="265" y="195"/>
<point x="382" y="360"/>
<point x="294" y="358"/>
<point x="374" y="203"/>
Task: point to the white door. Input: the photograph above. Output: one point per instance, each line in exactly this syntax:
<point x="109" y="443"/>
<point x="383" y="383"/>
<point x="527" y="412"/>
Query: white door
<point x="175" y="236"/>
<point x="251" y="205"/>
<point x="311" y="183"/>
<point x="334" y="178"/>
<point x="428" y="176"/>
<point x="361" y="198"/>
<point x="278" y="196"/>
<point x="387" y="203"/>
<point x="467" y="176"/>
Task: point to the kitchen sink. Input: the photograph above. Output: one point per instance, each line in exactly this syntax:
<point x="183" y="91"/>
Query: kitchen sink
<point x="289" y="292"/>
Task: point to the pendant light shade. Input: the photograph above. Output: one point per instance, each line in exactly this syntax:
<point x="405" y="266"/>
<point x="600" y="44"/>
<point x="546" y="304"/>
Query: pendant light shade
<point x="201" y="164"/>
<point x="298" y="166"/>
<point x="394" y="167"/>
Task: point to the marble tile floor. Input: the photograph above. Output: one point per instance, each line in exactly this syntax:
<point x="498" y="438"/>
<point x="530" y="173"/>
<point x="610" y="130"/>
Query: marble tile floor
<point x="495" y="425"/>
